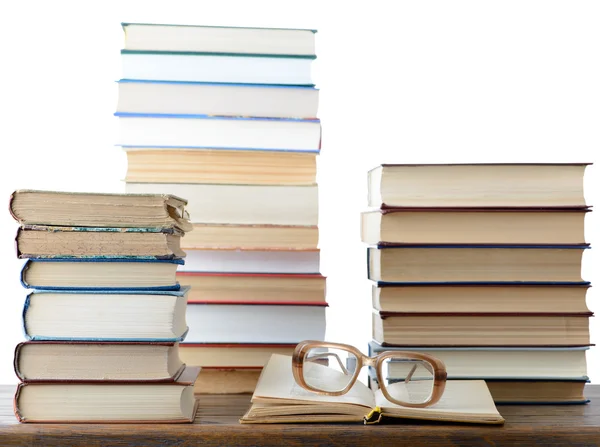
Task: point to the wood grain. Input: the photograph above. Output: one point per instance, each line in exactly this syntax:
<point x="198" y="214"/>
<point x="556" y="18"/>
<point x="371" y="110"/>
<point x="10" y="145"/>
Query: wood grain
<point x="217" y="424"/>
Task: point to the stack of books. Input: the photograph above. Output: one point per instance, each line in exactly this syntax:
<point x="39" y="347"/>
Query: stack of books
<point x="227" y="118"/>
<point x="106" y="312"/>
<point x="480" y="266"/>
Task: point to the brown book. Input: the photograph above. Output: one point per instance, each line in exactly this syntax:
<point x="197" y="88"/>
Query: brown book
<point x="108" y="402"/>
<point x="227" y="381"/>
<point x="491" y="185"/>
<point x="249" y="167"/>
<point x="74" y="209"/>
<point x="473" y="226"/>
<point x="480" y="298"/>
<point x="68" y="361"/>
<point x="251" y="237"/>
<point x="473" y="329"/>
<point x="231" y="355"/>
<point x="456" y="264"/>
<point x="39" y="241"/>
<point x="537" y="391"/>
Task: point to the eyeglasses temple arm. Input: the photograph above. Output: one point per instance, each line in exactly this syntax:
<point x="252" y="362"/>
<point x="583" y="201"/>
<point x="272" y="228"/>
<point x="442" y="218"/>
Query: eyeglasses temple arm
<point x="330" y="354"/>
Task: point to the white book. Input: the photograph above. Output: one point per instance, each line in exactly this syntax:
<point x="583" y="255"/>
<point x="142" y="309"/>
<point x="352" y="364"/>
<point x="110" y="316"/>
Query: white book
<point x="220" y="39"/>
<point x="202" y="67"/>
<point x="219" y="133"/>
<point x="242" y="204"/>
<point x="251" y="261"/>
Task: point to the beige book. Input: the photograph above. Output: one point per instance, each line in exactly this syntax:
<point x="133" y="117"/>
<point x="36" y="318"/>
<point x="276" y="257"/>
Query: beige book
<point x="279" y="399"/>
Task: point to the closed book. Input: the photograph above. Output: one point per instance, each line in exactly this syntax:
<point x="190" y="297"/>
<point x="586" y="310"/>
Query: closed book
<point x="231" y="355"/>
<point x="473" y="226"/>
<point x="38" y="241"/>
<point x="243" y="204"/>
<point x="234" y="133"/>
<point x="476" y="263"/>
<point x="481" y="329"/>
<point x="219" y="39"/>
<point x="227" y="381"/>
<point x="73" y="209"/>
<point x="104" y="315"/>
<point x="251" y="167"/>
<point x="253" y="288"/>
<point x="100" y="273"/>
<point x="67" y="361"/>
<point x="108" y="402"/>
<point x="217" y="98"/>
<point x="491" y="185"/>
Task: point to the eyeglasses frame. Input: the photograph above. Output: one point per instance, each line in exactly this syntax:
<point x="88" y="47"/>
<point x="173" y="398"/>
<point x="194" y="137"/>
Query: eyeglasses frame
<point x="439" y="370"/>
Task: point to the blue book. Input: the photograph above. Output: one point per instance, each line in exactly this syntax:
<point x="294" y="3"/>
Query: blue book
<point x="106" y="315"/>
<point x="101" y="274"/>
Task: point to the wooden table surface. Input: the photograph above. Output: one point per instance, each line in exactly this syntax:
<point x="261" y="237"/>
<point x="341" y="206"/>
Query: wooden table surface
<point x="217" y="425"/>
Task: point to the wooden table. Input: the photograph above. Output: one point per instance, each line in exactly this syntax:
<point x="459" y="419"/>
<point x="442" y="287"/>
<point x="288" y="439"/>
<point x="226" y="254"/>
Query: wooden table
<point x="217" y="425"/>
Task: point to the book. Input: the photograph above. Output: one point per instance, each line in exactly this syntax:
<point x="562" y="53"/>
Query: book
<point x="219" y="39"/>
<point x="278" y="399"/>
<point x="476" y="263"/>
<point x="253" y="288"/>
<point x="218" y="99"/>
<point x="65" y="361"/>
<point x="481" y="329"/>
<point x="477" y="185"/>
<point x="253" y="261"/>
<point x="528" y="362"/>
<point x="255" y="323"/>
<point x="217" y="67"/>
<point x="104" y="315"/>
<point x="243" y="204"/>
<point x="71" y="209"/>
<point x="211" y="132"/>
<point x="231" y="355"/>
<point x="40" y="241"/>
<point x="483" y="298"/>
<point x="101" y="273"/>
<point x="252" y="237"/>
<point x="108" y="402"/>
<point x="227" y="381"/>
<point x="252" y="167"/>
<point x="473" y="226"/>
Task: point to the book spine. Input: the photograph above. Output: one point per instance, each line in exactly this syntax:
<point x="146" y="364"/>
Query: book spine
<point x="10" y="208"/>
<point x="24" y="315"/>
<point x="16" y="361"/>
<point x="23" y="273"/>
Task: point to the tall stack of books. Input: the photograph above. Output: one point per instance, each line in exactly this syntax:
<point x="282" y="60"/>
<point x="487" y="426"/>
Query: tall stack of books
<point x="106" y="311"/>
<point x="227" y="118"/>
<point x="480" y="266"/>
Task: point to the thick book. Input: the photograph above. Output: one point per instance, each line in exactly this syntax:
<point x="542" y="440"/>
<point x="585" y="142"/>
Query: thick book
<point x="73" y="209"/>
<point x="40" y="241"/>
<point x="251" y="237"/>
<point x="104" y="315"/>
<point x="218" y="99"/>
<point x="231" y="355"/>
<point x="227" y="381"/>
<point x="521" y="298"/>
<point x="67" y="361"/>
<point x="517" y="363"/>
<point x="243" y="204"/>
<point x="219" y="39"/>
<point x="452" y="329"/>
<point x="477" y="185"/>
<point x="253" y="288"/>
<point x="476" y="263"/>
<point x="211" y="132"/>
<point x="473" y="226"/>
<point x="217" y="67"/>
<point x="255" y="323"/>
<point x="278" y="399"/>
<point x="251" y="167"/>
<point x="253" y="261"/>
<point x="100" y="273"/>
<point x="108" y="402"/>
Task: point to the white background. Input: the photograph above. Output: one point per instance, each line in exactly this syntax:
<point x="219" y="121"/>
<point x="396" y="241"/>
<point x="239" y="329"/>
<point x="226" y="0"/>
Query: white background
<point x="401" y="82"/>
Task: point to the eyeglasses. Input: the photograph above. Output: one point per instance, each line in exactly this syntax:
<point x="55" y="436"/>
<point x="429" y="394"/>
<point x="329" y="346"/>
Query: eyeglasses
<point x="411" y="379"/>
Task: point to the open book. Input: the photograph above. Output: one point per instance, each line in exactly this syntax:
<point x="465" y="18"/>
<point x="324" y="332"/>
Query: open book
<point x="278" y="399"/>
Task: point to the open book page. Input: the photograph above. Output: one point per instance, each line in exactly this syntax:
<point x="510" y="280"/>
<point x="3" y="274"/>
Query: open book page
<point x="277" y="385"/>
<point x="462" y="401"/>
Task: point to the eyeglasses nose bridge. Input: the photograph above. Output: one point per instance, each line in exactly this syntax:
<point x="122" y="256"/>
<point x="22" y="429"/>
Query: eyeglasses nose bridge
<point x="369" y="361"/>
